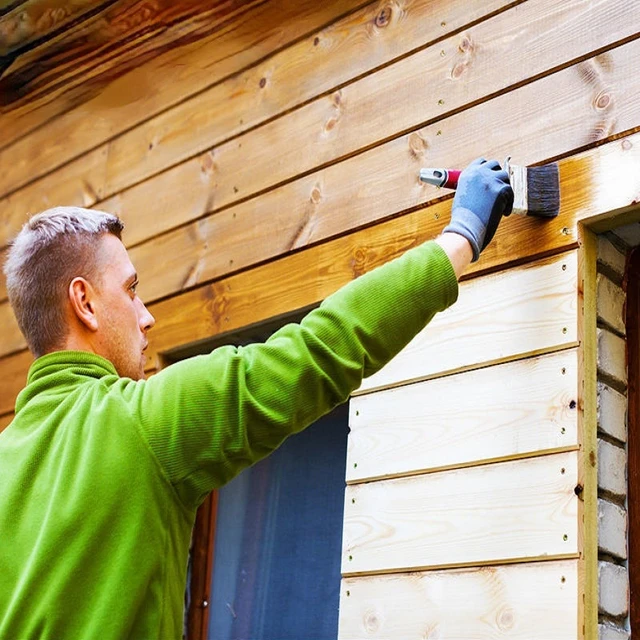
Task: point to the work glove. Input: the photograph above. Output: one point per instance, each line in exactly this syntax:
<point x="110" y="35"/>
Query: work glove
<point x="483" y="196"/>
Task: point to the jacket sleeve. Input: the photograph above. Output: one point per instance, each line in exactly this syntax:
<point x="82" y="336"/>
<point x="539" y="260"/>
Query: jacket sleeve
<point x="208" y="417"/>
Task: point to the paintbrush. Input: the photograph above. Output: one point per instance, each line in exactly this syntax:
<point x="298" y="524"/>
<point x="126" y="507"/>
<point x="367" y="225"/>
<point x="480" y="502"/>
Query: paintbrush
<point x="536" y="190"/>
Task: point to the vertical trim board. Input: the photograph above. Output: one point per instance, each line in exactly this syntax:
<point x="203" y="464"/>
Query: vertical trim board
<point x="522" y="311"/>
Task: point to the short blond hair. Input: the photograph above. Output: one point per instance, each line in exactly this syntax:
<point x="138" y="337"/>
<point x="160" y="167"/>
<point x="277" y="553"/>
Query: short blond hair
<point x="53" y="248"/>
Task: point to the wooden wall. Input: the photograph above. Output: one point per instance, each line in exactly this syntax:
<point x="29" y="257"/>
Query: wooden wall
<point x="262" y="164"/>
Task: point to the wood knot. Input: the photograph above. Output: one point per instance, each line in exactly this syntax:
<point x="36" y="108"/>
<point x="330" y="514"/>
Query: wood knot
<point x="263" y="83"/>
<point x="359" y="261"/>
<point x="371" y="622"/>
<point x="331" y="123"/>
<point x="459" y="69"/>
<point x="384" y="17"/>
<point x="626" y="145"/>
<point x="602" y="101"/>
<point x="336" y="97"/>
<point x="417" y="145"/>
<point x="207" y="164"/>
<point x="466" y="45"/>
<point x="316" y="195"/>
<point x="316" y="41"/>
<point x="505" y="619"/>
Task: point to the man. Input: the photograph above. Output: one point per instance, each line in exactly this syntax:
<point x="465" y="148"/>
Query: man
<point x="101" y="471"/>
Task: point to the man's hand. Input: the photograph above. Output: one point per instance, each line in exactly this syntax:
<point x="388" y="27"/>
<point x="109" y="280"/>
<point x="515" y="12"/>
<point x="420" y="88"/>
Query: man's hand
<point x="483" y="196"/>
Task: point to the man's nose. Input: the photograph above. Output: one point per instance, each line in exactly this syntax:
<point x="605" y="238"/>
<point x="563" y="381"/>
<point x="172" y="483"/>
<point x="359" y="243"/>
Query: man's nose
<point x="147" y="321"/>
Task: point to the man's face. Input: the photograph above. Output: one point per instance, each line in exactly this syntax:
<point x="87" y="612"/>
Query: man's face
<point x="123" y="321"/>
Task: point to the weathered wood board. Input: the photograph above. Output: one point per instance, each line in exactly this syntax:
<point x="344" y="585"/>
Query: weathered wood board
<point x="523" y="311"/>
<point x="494" y="413"/>
<point x="14" y="377"/>
<point x="503" y="512"/>
<point x="535" y="601"/>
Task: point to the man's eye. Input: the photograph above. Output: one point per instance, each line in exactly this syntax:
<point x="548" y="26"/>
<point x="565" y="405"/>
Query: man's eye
<point x="134" y="288"/>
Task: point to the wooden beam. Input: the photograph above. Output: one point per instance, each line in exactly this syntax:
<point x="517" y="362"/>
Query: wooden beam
<point x="499" y="317"/>
<point x="31" y="24"/>
<point x="537" y="601"/>
<point x="465" y="419"/>
<point x="505" y="512"/>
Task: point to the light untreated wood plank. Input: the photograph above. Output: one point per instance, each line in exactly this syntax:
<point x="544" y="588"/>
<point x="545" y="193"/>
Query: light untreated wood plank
<point x="12" y="338"/>
<point x="495" y="413"/>
<point x="523" y="311"/>
<point x="535" y="601"/>
<point x="375" y="184"/>
<point x="511" y="511"/>
<point x="373" y="36"/>
<point x="33" y="23"/>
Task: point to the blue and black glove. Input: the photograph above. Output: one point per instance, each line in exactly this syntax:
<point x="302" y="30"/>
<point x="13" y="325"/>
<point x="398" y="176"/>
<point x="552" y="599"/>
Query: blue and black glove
<point x="483" y="196"/>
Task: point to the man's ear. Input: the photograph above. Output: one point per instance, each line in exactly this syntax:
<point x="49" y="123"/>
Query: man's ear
<point x="81" y="297"/>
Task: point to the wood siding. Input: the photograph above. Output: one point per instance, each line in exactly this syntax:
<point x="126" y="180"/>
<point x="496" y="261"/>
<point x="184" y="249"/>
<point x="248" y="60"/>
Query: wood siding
<point x="264" y="155"/>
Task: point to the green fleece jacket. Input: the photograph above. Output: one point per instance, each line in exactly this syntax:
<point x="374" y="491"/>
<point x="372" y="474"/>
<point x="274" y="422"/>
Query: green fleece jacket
<point x="101" y="476"/>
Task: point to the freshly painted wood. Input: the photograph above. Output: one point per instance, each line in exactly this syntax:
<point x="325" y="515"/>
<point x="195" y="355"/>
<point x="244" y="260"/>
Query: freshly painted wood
<point x="504" y="512"/>
<point x="535" y="601"/>
<point x="378" y="107"/>
<point x="329" y="202"/>
<point x="14" y="376"/>
<point x="5" y="420"/>
<point x="194" y="45"/>
<point x="351" y="47"/>
<point x="495" y="413"/>
<point x="587" y="434"/>
<point x="523" y="311"/>
<point x="32" y="23"/>
<point x="12" y="339"/>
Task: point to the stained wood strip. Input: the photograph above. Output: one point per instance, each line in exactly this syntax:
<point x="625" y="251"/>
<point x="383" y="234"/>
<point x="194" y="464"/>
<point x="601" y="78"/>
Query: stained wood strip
<point x="231" y="36"/>
<point x="379" y="106"/>
<point x="12" y="339"/>
<point x="523" y="311"/>
<point x="509" y="511"/>
<point x="14" y="376"/>
<point x="330" y="202"/>
<point x="535" y="601"/>
<point x="495" y="413"/>
<point x="33" y="23"/>
<point x="294" y="75"/>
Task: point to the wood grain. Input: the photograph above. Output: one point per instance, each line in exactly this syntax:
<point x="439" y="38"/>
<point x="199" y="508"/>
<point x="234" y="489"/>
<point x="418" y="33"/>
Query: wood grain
<point x="495" y="413"/>
<point x="535" y="601"/>
<point x="508" y="511"/>
<point x="329" y="202"/>
<point x="32" y="23"/>
<point x="107" y="88"/>
<point x="499" y="317"/>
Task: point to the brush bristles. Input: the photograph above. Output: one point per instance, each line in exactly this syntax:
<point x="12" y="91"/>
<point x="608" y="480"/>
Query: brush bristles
<point x="543" y="191"/>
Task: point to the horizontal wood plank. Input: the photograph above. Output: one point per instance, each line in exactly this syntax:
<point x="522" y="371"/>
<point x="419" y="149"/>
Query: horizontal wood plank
<point x="329" y="202"/>
<point x="523" y="311"/>
<point x="379" y="106"/>
<point x="220" y="48"/>
<point x="511" y="511"/>
<point x="465" y="419"/>
<point x="5" y="420"/>
<point x="535" y="601"/>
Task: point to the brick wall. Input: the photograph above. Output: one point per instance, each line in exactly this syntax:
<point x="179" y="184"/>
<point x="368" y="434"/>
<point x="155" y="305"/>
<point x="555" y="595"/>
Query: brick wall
<point x="613" y="576"/>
